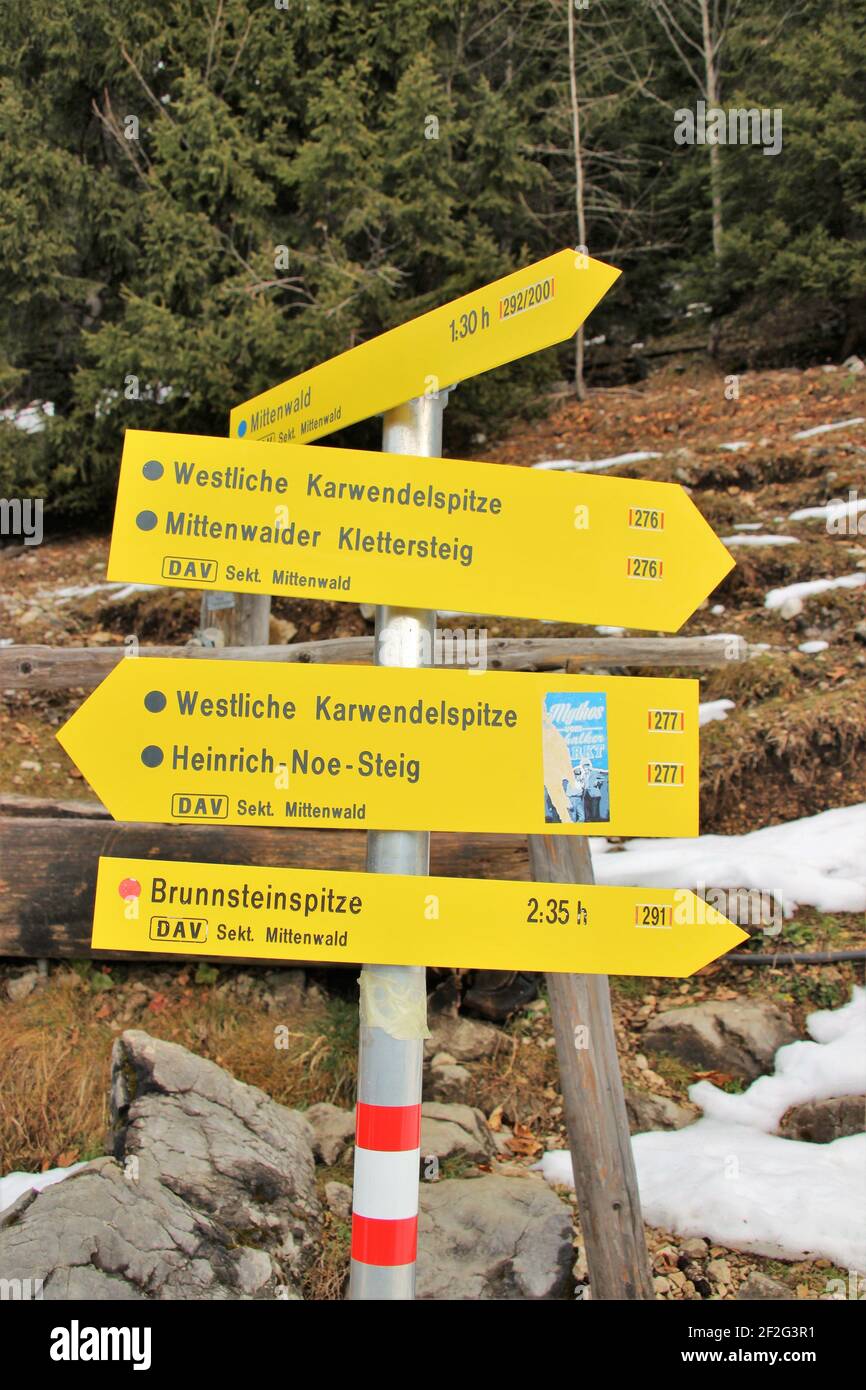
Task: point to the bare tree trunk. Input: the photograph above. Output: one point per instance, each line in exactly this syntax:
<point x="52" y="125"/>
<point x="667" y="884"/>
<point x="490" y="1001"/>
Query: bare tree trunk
<point x="579" y="383"/>
<point x="712" y="89"/>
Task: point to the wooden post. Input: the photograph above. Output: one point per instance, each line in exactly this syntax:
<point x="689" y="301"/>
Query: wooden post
<point x="604" y="1173"/>
<point x="243" y="619"/>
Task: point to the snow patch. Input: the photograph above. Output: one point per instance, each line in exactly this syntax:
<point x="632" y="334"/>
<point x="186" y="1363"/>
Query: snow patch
<point x="713" y="710"/>
<point x="594" y="465"/>
<point x="15" y="1184"/>
<point x="759" y="540"/>
<point x="826" y="429"/>
<point x="833" y="511"/>
<point x="834" y="1064"/>
<point x="728" y="1178"/>
<point x="776" y="597"/>
<point x="30" y="418"/>
<point x="120" y="591"/>
<point x="818" y="861"/>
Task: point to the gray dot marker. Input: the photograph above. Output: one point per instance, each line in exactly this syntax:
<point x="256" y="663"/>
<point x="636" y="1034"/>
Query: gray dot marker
<point x="153" y="470"/>
<point x="152" y="756"/>
<point x="145" y="521"/>
<point x="154" y="702"/>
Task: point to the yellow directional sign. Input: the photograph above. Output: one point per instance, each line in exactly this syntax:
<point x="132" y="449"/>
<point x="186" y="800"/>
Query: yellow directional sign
<point x="364" y="527"/>
<point x="368" y="747"/>
<point x="522" y="313"/>
<point x="212" y="910"/>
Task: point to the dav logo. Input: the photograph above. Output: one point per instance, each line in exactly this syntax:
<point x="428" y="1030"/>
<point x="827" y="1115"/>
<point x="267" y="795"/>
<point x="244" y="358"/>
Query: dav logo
<point x="182" y="567"/>
<point x="188" y="929"/>
<point x="185" y="806"/>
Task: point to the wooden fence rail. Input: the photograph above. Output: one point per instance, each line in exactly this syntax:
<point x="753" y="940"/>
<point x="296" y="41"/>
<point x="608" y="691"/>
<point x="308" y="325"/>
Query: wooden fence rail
<point x="82" y="668"/>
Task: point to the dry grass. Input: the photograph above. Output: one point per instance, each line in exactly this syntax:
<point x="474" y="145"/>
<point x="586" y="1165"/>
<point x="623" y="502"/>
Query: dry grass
<point x="55" y="1049"/>
<point x="763" y="677"/>
<point x="522" y="1076"/>
<point x="326" y="1279"/>
<point x="53" y="1078"/>
<point x="784" y="758"/>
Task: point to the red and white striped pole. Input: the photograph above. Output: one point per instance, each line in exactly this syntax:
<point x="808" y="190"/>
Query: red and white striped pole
<point x="393" y="997"/>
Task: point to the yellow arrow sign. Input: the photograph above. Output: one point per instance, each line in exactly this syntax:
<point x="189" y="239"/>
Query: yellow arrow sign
<point x="304" y="914"/>
<point x="347" y="524"/>
<point x="522" y="313"/>
<point x="249" y="743"/>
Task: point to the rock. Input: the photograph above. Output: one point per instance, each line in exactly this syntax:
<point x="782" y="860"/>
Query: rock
<point x="720" y="1271"/>
<point x="854" y="364"/>
<point x="333" y="1131"/>
<point x="452" y="1131"/>
<point x="493" y="1238"/>
<point x="822" y="1121"/>
<point x="500" y="1139"/>
<point x="661" y="1285"/>
<point x="792" y="607"/>
<point x="339" y="1199"/>
<point x="466" y="1039"/>
<point x="19" y="986"/>
<point x="98" y="1235"/>
<point x="694" y="1248"/>
<point x="286" y="988"/>
<point x="210" y="1193"/>
<point x="761" y="1287"/>
<point x="223" y="1147"/>
<point x="736" y="1035"/>
<point x="647" y="1111"/>
<point x="449" y="1083"/>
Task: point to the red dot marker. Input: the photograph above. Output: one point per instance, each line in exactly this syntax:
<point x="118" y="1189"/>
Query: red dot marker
<point x="129" y="888"/>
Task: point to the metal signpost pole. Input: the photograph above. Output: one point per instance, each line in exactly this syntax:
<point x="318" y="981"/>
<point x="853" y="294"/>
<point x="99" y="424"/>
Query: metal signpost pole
<point x="393" y="997"/>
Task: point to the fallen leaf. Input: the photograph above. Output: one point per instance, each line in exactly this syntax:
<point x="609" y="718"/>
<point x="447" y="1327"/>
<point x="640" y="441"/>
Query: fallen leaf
<point x="523" y="1141"/>
<point x="527" y="1147"/>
